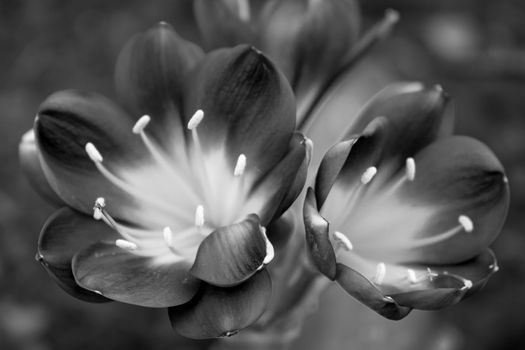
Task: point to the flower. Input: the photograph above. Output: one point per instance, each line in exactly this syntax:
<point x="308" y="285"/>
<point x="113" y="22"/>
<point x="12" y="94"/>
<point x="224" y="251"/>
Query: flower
<point x="401" y="215"/>
<point x="309" y="40"/>
<point x="166" y="201"/>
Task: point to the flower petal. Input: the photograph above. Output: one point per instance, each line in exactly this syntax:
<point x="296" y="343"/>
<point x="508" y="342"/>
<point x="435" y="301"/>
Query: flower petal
<point x="63" y="235"/>
<point x="457" y="177"/>
<point x="317" y="241"/>
<point x="149" y="76"/>
<point x="363" y="290"/>
<point x="248" y="107"/>
<point x="121" y="275"/>
<point x="345" y="163"/>
<point x="30" y="162"/>
<point x="66" y="122"/>
<point x="309" y="40"/>
<point x="415" y="114"/>
<point x="219" y="312"/>
<point x="221" y="24"/>
<point x="231" y="254"/>
<point x="279" y="188"/>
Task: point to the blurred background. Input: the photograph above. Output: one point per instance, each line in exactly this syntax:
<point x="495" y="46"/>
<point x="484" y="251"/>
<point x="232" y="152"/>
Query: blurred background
<point x="474" y="48"/>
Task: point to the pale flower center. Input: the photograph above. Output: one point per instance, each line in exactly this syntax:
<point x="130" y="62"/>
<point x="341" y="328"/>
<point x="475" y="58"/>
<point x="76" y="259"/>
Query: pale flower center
<point x="186" y="199"/>
<point x="380" y="226"/>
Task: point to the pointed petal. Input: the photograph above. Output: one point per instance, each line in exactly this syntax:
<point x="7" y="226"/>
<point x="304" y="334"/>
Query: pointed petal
<point x="280" y="231"/>
<point x="30" y="162"/>
<point x="231" y="254"/>
<point x="363" y="290"/>
<point x="149" y="76"/>
<point x="457" y="176"/>
<point x="345" y="162"/>
<point x="124" y="276"/>
<point x="66" y="122"/>
<point x="317" y="241"/>
<point x="276" y="191"/>
<point x="443" y="291"/>
<point x="248" y="106"/>
<point x="219" y="312"/>
<point x="415" y="114"/>
<point x="63" y="235"/>
<point x="423" y="286"/>
<point x="298" y="35"/>
<point x="221" y="24"/>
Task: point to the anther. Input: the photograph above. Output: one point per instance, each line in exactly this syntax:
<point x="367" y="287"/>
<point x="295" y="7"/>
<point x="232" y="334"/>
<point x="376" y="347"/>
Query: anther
<point x="368" y="175"/>
<point x="412" y="276"/>
<point x="100" y="203"/>
<point x="93" y="153"/>
<point x="168" y="236"/>
<point x="467" y="284"/>
<point x="240" y="165"/>
<point x="467" y="224"/>
<point x="342" y="241"/>
<point x="28" y="137"/>
<point x="199" y="216"/>
<point x="196" y="119"/>
<point x="431" y="275"/>
<point x="244" y="10"/>
<point x="122" y="243"/>
<point x="380" y="273"/>
<point x="410" y="169"/>
<point x="388" y="299"/>
<point x="141" y="124"/>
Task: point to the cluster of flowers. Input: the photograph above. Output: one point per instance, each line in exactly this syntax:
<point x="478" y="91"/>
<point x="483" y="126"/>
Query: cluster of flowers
<point x="169" y="200"/>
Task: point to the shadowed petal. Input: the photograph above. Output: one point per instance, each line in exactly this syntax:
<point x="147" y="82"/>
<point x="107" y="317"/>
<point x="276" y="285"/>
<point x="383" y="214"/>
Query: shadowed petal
<point x="248" y="106"/>
<point x="317" y="241"/>
<point x="66" y="122"/>
<point x="121" y="275"/>
<point x="416" y="118"/>
<point x="363" y="290"/>
<point x="309" y="40"/>
<point x="30" y="162"/>
<point x="276" y="191"/>
<point x="457" y="176"/>
<point x="221" y="24"/>
<point x="219" y="312"/>
<point x="63" y="235"/>
<point x="149" y="76"/>
<point x="231" y="254"/>
<point x="344" y="164"/>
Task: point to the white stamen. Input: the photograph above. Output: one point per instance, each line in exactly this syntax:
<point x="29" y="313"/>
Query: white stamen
<point x="468" y="284"/>
<point x="467" y="224"/>
<point x="93" y="153"/>
<point x="199" y="216"/>
<point x="97" y="208"/>
<point x="368" y="175"/>
<point x="196" y="119"/>
<point x="389" y="299"/>
<point x="240" y="166"/>
<point x="122" y="243"/>
<point x="380" y="273"/>
<point x="411" y="87"/>
<point x="141" y="124"/>
<point x="243" y="7"/>
<point x="431" y="274"/>
<point x="270" y="251"/>
<point x="342" y="241"/>
<point x="412" y="276"/>
<point x="168" y="236"/>
<point x="410" y="169"/>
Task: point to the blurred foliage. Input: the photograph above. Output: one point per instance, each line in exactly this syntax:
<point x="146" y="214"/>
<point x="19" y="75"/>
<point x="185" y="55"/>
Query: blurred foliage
<point x="475" y="49"/>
